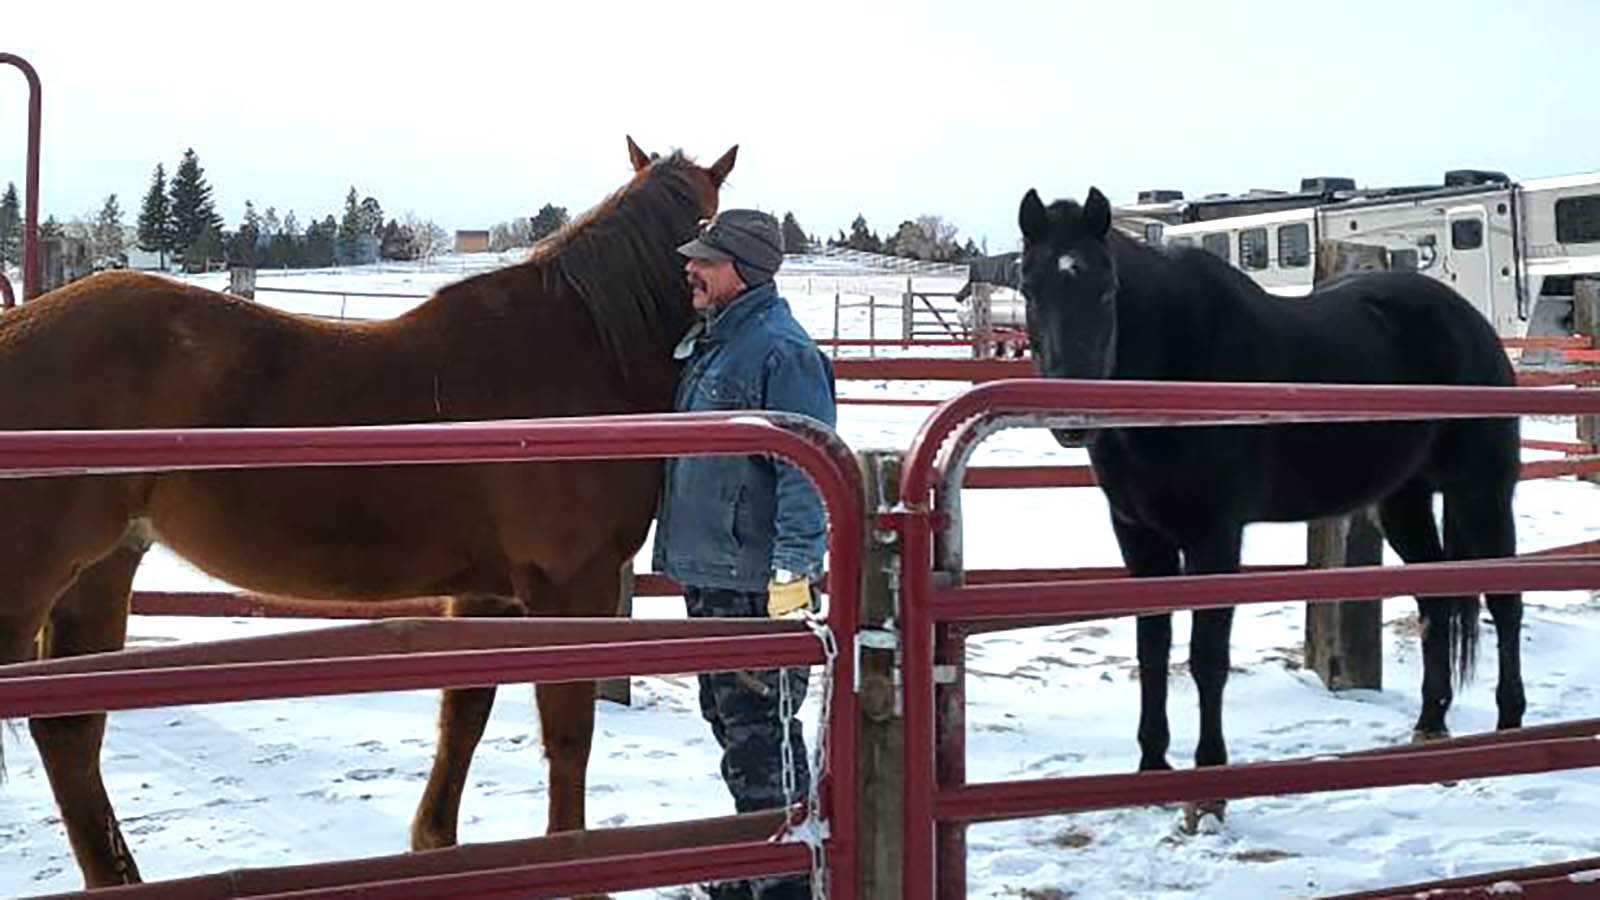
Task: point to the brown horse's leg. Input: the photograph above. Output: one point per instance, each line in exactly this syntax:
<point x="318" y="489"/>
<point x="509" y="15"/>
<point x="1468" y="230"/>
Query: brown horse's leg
<point x="566" y="711"/>
<point x="463" y="713"/>
<point x="566" y="719"/>
<point x="91" y="616"/>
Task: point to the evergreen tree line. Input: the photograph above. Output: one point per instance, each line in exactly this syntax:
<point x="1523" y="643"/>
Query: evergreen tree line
<point x="178" y="220"/>
<point x="926" y="237"/>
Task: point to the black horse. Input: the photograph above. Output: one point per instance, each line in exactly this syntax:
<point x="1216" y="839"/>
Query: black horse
<point x="1101" y="305"/>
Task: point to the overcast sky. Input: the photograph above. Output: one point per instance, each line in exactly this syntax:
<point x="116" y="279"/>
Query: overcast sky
<point x="473" y="113"/>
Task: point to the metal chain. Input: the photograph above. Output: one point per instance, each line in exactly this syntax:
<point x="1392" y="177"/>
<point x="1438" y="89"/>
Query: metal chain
<point x="786" y="747"/>
<point x="813" y="830"/>
<point x="816" y="827"/>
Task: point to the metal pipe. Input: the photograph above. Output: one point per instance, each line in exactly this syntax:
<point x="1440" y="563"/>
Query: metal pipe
<point x="1050" y="796"/>
<point x="1128" y="596"/>
<point x="30" y="189"/>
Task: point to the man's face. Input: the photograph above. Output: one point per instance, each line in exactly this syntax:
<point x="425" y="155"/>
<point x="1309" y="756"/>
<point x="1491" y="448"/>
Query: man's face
<point x="713" y="281"/>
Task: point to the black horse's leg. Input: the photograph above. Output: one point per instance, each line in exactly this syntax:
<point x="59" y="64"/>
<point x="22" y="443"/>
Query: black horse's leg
<point x="1209" y="657"/>
<point x="1148" y="554"/>
<point x="1479" y="524"/>
<point x="1209" y="641"/>
<point x="1409" y="527"/>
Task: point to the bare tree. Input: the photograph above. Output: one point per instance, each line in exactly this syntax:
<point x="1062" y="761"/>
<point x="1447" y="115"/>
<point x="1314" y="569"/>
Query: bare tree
<point x="431" y="239"/>
<point x="940" y="235"/>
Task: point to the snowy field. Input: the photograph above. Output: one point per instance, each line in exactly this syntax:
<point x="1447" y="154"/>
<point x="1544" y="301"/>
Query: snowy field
<point x="209" y="788"/>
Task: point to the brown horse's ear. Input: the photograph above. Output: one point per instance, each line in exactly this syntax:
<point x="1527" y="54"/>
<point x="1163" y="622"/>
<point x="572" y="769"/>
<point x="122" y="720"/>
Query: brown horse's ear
<point x="719" y="170"/>
<point x="639" y="158"/>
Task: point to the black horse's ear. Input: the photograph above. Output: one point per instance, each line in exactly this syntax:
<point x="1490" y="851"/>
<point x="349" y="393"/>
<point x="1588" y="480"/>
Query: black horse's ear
<point x="1096" y="214"/>
<point x="1032" y="218"/>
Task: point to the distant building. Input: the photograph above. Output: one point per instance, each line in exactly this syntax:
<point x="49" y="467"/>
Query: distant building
<point x="472" y="242"/>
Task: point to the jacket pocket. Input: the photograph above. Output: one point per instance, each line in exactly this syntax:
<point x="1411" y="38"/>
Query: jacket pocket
<point x="721" y="392"/>
<point x="733" y="502"/>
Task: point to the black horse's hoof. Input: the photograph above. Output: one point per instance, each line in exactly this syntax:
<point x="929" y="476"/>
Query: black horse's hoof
<point x="1424" y="735"/>
<point x="1204" y="815"/>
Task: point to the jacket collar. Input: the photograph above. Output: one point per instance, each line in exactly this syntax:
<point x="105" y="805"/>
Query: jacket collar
<point x="731" y="316"/>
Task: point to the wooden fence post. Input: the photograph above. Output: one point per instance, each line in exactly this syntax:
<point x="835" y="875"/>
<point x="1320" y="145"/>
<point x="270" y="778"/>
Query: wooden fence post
<point x="1586" y="322"/>
<point x="882" y="740"/>
<point x="908" y="313"/>
<point x="1344" y="638"/>
<point x="242" y="282"/>
<point x="52" y="263"/>
<point x="983" y="342"/>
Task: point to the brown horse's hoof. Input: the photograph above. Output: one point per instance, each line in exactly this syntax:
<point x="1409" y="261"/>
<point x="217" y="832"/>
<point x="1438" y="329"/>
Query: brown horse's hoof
<point x="1206" y="815"/>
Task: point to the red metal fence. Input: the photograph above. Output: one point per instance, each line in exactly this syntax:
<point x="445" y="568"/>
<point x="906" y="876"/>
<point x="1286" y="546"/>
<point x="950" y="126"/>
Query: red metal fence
<point x="939" y="801"/>
<point x="30" y="187"/>
<point x="380" y="656"/>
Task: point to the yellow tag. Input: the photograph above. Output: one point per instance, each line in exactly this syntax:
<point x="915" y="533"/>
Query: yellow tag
<point x="788" y="599"/>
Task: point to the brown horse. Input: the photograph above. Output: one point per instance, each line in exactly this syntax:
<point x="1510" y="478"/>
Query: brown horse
<point x="585" y="325"/>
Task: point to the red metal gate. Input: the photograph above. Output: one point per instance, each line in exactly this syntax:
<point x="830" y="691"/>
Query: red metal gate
<point x="936" y="608"/>
<point x="380" y="656"/>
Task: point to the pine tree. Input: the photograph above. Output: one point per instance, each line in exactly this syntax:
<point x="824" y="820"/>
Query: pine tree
<point x="243" y="244"/>
<point x="350" y="225"/>
<point x="794" y="237"/>
<point x="206" y="246"/>
<point x="359" y="231"/>
<point x="398" y="242"/>
<point x="321" y="238"/>
<point x="155" y="218"/>
<point x="10" y="226"/>
<point x="108" y="241"/>
<point x="369" y="217"/>
<point x="547" y="221"/>
<point x="192" y="209"/>
<point x="862" y="238"/>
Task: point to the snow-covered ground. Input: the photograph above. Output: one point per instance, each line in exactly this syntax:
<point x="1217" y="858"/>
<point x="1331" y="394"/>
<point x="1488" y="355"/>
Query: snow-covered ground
<point x="208" y="788"/>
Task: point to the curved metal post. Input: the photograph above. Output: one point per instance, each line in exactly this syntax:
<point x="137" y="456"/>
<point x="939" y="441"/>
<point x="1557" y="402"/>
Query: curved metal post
<point x="30" y="189"/>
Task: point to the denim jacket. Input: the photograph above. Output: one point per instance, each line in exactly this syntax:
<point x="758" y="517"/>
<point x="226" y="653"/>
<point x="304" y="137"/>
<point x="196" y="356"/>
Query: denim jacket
<point x="729" y="521"/>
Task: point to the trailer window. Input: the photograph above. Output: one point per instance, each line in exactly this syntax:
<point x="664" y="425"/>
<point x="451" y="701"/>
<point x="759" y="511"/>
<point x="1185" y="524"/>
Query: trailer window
<point x="1181" y="243"/>
<point x="1578" y="219"/>
<point x="1294" y="246"/>
<point x="1253" y="248"/>
<point x="1216" y="243"/>
<point x="1466" y="234"/>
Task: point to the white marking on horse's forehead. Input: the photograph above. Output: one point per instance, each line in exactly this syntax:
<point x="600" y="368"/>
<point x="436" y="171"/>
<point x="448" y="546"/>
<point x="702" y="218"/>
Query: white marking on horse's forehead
<point x="1067" y="263"/>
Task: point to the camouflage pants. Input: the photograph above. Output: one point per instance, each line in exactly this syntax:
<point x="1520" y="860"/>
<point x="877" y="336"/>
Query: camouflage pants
<point x="743" y="709"/>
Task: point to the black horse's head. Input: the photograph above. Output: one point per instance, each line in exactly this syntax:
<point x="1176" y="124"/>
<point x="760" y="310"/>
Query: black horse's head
<point x="1070" y="281"/>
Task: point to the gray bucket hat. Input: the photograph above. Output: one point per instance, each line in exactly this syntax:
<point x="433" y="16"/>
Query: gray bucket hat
<point x="750" y="238"/>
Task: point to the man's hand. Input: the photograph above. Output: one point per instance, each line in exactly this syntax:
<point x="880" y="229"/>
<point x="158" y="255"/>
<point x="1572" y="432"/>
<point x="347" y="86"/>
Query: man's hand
<point x="788" y="595"/>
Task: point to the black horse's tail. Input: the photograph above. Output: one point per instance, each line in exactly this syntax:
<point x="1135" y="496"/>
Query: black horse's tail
<point x="1463" y="630"/>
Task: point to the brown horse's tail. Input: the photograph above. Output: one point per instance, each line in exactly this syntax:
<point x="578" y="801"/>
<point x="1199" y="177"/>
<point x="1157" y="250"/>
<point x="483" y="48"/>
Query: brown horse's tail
<point x="1463" y="637"/>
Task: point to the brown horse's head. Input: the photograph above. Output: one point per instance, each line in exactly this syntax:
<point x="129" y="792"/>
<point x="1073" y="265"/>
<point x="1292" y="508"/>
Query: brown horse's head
<point x="621" y="257"/>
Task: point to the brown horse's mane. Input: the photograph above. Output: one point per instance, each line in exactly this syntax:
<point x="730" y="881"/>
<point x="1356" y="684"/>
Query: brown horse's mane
<point x="617" y="258"/>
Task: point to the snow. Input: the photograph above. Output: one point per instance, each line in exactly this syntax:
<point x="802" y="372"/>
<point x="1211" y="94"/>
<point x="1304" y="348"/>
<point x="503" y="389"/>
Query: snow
<point x="209" y="788"/>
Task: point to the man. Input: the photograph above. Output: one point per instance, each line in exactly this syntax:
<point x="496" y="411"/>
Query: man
<point x="745" y="535"/>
